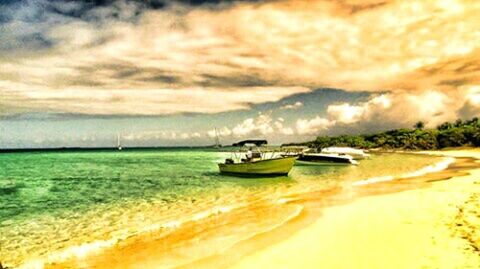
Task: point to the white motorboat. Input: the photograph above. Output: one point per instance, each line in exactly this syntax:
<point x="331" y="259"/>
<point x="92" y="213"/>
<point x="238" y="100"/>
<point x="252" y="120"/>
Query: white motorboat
<point x="357" y="154"/>
<point x="256" y="162"/>
<point x="325" y="159"/>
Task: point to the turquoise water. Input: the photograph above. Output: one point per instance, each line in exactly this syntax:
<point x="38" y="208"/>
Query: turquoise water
<point x="50" y="201"/>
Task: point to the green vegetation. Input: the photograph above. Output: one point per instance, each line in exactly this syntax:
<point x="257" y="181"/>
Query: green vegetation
<point x="459" y="133"/>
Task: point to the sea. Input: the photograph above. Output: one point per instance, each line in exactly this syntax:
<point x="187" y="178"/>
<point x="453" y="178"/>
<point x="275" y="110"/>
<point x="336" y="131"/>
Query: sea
<point x="55" y="206"/>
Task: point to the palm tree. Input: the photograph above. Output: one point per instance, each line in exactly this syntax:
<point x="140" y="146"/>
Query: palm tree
<point x="419" y="125"/>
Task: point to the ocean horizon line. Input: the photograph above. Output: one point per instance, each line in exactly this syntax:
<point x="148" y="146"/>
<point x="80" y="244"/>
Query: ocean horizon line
<point x="8" y="150"/>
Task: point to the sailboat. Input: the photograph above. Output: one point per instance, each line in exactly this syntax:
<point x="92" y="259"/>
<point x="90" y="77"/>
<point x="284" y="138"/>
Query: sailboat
<point x="217" y="140"/>
<point x="119" y="145"/>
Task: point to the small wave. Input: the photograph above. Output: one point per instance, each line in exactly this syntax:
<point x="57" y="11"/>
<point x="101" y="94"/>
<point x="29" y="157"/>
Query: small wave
<point x="79" y="251"/>
<point x="286" y="200"/>
<point x="442" y="165"/>
<point x="373" y="180"/>
<point x="213" y="211"/>
<point x="298" y="210"/>
<point x="439" y="166"/>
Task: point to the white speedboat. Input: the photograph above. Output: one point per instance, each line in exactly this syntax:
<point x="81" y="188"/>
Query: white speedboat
<point x="325" y="159"/>
<point x="309" y="156"/>
<point x="357" y="154"/>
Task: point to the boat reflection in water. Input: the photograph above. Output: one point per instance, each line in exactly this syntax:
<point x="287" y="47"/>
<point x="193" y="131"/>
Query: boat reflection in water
<point x="254" y="160"/>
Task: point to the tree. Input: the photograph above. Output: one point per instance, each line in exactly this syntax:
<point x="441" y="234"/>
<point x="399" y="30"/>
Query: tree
<point x="445" y="126"/>
<point x="453" y="137"/>
<point x="459" y="133"/>
<point x="419" y="125"/>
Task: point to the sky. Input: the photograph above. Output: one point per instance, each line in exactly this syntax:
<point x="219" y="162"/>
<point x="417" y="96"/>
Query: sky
<point x="167" y="73"/>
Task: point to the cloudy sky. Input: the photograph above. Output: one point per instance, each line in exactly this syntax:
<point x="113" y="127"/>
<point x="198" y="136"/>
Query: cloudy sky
<point x="166" y="72"/>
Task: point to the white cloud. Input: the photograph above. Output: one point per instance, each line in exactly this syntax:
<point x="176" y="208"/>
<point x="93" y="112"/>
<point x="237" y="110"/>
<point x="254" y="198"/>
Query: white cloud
<point x="474" y="96"/>
<point x="389" y="110"/>
<point x="244" y="128"/>
<point x="345" y="113"/>
<point x="224" y="131"/>
<point x="160" y="135"/>
<point x="260" y="125"/>
<point x="136" y="101"/>
<point x="312" y="126"/>
<point x="280" y="128"/>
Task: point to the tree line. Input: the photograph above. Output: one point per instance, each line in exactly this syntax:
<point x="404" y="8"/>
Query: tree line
<point x="448" y="134"/>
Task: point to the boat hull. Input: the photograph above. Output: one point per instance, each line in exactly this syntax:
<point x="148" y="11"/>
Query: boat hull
<point x="277" y="166"/>
<point x="320" y="163"/>
<point x="323" y="159"/>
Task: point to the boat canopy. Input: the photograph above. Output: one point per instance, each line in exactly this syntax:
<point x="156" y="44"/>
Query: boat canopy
<point x="257" y="143"/>
<point x="295" y="148"/>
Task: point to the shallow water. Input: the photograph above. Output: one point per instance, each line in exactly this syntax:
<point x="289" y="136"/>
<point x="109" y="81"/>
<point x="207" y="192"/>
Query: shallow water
<point x="51" y="202"/>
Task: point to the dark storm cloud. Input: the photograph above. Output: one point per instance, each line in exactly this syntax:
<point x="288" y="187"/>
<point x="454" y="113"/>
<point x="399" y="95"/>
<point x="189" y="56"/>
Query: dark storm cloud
<point x="92" y="75"/>
<point x="356" y="8"/>
<point x="26" y="22"/>
<point x="82" y="8"/>
<point x="30" y="41"/>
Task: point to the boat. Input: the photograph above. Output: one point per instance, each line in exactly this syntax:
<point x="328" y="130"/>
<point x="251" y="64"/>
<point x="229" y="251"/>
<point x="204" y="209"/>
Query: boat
<point x="256" y="161"/>
<point x="357" y="154"/>
<point x="119" y="145"/>
<point x="217" y="140"/>
<point x="325" y="159"/>
<point x="309" y="156"/>
<point x="269" y="167"/>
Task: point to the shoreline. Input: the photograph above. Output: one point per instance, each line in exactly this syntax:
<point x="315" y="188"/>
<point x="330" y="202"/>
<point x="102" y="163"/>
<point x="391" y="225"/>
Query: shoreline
<point x="151" y="250"/>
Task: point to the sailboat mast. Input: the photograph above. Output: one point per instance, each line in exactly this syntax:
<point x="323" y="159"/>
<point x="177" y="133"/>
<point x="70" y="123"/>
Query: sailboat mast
<point x="217" y="140"/>
<point x="119" y="145"/>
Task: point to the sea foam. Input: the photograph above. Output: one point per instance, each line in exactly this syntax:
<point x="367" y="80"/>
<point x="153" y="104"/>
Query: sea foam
<point x="436" y="167"/>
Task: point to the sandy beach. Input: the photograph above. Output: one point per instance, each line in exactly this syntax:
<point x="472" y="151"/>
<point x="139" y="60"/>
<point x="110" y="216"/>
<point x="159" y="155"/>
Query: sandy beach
<point x="432" y="227"/>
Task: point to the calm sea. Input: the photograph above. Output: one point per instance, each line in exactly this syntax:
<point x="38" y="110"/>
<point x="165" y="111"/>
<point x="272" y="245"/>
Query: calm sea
<point x="66" y="203"/>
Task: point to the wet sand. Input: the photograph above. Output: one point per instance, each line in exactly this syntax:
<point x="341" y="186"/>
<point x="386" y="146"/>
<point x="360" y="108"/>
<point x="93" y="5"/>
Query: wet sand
<point x="427" y="221"/>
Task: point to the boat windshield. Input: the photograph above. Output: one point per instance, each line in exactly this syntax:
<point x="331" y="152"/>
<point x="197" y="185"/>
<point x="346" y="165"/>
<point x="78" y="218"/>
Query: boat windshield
<point x="251" y="153"/>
